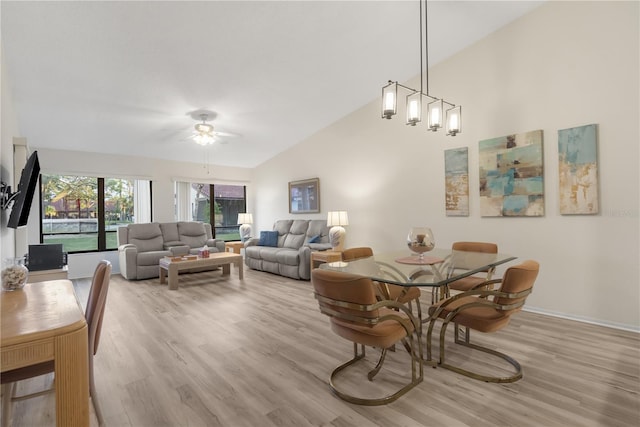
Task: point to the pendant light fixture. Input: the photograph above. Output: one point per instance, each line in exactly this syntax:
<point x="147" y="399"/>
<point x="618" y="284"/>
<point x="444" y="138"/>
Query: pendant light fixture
<point x="439" y="113"/>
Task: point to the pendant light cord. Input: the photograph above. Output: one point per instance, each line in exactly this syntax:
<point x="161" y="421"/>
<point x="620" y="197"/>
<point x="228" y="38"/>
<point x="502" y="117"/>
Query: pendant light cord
<point x="426" y="42"/>
<point x="421" y="59"/>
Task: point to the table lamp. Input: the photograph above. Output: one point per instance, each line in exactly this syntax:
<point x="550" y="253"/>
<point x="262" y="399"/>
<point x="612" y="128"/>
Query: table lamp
<point x="246" y="219"/>
<point x="336" y="220"/>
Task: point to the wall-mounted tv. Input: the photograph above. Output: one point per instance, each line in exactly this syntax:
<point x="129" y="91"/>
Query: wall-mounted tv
<point x="26" y="189"/>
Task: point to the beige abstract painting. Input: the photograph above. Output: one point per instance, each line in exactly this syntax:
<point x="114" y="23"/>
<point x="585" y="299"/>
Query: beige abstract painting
<point x="578" y="174"/>
<point x="456" y="168"/>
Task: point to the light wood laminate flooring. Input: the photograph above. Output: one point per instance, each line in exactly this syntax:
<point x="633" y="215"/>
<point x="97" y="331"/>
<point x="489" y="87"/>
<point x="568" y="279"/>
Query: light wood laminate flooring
<point x="257" y="352"/>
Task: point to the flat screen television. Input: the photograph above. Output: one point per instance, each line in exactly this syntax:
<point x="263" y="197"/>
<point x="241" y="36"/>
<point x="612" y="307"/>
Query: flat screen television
<point x="26" y="189"/>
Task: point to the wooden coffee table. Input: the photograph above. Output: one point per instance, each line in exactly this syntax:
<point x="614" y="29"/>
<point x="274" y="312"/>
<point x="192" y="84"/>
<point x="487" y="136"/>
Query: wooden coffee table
<point x="171" y="268"/>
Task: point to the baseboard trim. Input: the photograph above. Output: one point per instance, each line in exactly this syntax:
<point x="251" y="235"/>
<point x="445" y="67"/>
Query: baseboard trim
<point x="614" y="325"/>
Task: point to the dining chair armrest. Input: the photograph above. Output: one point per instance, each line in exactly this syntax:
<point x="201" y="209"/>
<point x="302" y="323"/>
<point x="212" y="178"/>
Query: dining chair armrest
<point x="486" y="284"/>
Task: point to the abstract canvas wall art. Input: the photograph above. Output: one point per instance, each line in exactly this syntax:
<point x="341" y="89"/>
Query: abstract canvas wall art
<point x="578" y="164"/>
<point x="456" y="179"/>
<point x="511" y="175"/>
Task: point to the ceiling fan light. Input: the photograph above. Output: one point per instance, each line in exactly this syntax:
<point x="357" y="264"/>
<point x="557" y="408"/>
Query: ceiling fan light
<point x="203" y="139"/>
<point x="204" y="127"/>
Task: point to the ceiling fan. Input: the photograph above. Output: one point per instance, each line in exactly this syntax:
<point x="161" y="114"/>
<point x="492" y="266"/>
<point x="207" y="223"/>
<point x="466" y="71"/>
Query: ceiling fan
<point x="204" y="132"/>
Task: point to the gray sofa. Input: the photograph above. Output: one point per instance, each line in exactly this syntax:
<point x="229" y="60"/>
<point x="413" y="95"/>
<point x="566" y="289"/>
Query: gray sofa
<point x="292" y="256"/>
<point x="141" y="246"/>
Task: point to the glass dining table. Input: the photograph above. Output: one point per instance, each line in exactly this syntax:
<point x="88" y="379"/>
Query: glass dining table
<point x="435" y="270"/>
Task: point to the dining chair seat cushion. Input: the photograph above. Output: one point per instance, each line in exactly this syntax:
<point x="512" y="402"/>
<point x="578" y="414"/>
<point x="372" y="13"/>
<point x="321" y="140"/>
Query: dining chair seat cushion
<point x="381" y="335"/>
<point x="483" y="319"/>
<point x="466" y="283"/>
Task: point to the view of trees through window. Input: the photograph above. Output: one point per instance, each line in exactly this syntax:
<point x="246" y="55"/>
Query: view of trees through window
<point x="228" y="202"/>
<point x="84" y="213"/>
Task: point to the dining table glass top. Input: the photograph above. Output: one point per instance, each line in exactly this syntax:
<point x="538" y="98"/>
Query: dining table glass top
<point x="438" y="267"/>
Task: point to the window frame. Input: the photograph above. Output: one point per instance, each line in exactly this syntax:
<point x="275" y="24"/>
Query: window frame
<point x="101" y="233"/>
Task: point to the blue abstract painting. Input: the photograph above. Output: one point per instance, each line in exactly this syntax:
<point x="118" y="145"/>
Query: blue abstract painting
<point x="511" y="175"/>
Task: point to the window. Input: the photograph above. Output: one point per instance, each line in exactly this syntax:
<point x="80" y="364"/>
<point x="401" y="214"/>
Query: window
<point x="84" y="213"/>
<point x="193" y="203"/>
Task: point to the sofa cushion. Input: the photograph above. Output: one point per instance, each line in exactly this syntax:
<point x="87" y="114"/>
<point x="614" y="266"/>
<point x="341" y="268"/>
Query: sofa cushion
<point x="146" y="237"/>
<point x="293" y="241"/>
<point x="151" y="257"/>
<point x="288" y="257"/>
<point x="192" y="234"/>
<point x="169" y="232"/>
<point x="268" y="238"/>
<point x="318" y="227"/>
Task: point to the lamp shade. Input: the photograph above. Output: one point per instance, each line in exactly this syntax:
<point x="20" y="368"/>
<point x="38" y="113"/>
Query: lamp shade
<point x="338" y="218"/>
<point x="245" y="218"/>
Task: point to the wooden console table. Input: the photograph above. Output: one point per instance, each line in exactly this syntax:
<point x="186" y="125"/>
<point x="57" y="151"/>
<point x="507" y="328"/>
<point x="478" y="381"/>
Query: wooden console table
<point x="42" y="322"/>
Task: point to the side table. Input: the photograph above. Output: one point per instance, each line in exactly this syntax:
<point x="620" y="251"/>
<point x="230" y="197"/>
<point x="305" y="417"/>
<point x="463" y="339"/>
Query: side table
<point x="319" y="257"/>
<point x="234" y="247"/>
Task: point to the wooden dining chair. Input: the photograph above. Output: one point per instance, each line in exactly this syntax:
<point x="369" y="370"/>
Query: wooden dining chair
<point x="402" y="294"/>
<point x="94" y="314"/>
<point x="483" y="310"/>
<point x="356" y="314"/>
<point x="470" y="282"/>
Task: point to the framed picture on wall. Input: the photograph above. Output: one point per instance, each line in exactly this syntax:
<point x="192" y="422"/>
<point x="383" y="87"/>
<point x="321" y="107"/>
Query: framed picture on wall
<point x="304" y="196"/>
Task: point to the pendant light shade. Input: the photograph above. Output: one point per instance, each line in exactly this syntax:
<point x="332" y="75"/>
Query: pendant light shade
<point x="454" y="120"/>
<point x="414" y="108"/>
<point x="435" y="113"/>
<point x="389" y="100"/>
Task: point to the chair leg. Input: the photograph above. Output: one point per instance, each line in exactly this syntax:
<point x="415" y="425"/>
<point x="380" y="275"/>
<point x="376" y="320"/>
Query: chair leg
<point x="92" y="392"/>
<point x="375" y="370"/>
<point x="416" y="377"/>
<point x="7" y="393"/>
<point x="474" y="375"/>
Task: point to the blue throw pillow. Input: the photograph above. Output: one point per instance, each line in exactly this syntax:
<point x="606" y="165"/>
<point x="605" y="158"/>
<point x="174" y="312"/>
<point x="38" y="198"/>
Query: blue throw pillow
<point x="268" y="238"/>
<point x="315" y="239"/>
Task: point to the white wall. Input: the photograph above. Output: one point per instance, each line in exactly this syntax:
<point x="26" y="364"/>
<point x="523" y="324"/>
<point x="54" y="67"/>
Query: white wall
<point x="563" y="65"/>
<point x="162" y="173"/>
<point x="8" y="129"/>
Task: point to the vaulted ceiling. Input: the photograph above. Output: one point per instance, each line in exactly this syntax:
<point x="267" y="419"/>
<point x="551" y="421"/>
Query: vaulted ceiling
<point x="126" y="77"/>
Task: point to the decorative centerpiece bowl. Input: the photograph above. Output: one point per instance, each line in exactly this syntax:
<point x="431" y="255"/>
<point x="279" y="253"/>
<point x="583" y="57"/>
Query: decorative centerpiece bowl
<point x="14" y="274"/>
<point x="420" y="240"/>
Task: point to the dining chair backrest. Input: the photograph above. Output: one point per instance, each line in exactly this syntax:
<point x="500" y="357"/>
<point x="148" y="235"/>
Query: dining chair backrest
<point x="343" y="295"/>
<point x="484" y="247"/>
<point x="517" y="279"/>
<point x="94" y="312"/>
<point x="352" y="254"/>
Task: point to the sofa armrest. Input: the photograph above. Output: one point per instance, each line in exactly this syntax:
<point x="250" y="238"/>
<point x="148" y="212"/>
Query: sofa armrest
<point x="304" y="268"/>
<point x="127" y="256"/>
<point x="179" y="250"/>
<point x="216" y="244"/>
<point x="172" y="243"/>
<point x="252" y="242"/>
<point x="319" y="246"/>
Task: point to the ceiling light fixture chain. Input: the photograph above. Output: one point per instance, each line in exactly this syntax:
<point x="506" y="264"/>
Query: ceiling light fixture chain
<point x="437" y="114"/>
